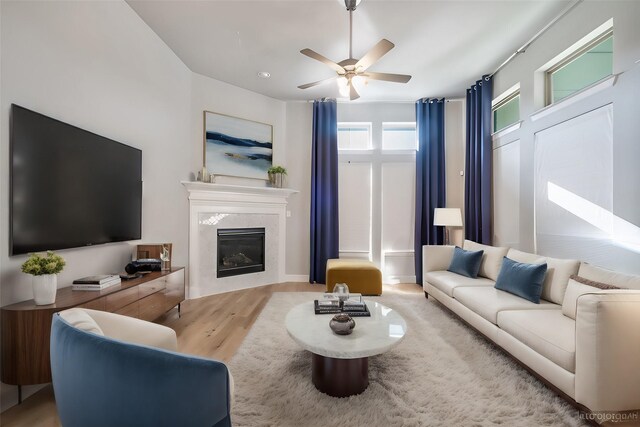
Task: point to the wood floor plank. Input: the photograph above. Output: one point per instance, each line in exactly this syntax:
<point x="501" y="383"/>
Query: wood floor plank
<point x="212" y="326"/>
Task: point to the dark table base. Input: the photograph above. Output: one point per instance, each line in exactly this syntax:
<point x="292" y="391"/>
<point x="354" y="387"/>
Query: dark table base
<point x="340" y="377"/>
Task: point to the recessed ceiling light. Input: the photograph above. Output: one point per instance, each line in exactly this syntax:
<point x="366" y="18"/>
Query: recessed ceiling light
<point x="264" y="74"/>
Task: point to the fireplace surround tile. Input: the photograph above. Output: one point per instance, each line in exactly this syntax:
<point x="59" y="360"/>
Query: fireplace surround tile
<point x="214" y="206"/>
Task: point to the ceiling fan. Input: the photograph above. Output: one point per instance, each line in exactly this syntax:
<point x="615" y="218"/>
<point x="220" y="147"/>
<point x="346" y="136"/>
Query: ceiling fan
<point x="350" y="68"/>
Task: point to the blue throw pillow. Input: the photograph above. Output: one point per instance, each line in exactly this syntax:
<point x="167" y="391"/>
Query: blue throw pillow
<point x="466" y="263"/>
<point x="523" y="280"/>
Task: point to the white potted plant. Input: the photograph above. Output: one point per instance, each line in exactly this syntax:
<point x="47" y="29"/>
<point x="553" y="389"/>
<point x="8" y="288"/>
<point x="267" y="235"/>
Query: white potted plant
<point x="44" y="269"/>
<point x="276" y="176"/>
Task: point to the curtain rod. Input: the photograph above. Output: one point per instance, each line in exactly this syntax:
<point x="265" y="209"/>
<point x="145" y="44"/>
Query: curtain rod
<point x="544" y="29"/>
<point x="309" y="101"/>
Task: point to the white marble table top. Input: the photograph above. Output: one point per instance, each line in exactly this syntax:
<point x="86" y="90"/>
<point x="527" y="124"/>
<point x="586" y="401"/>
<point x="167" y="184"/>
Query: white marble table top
<point x="372" y="335"/>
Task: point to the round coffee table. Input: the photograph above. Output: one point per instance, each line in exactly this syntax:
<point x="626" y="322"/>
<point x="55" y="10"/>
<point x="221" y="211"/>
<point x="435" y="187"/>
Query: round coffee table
<point x="340" y="363"/>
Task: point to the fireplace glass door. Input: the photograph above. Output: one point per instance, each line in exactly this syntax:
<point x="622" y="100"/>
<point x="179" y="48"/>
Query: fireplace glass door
<point x="240" y="251"/>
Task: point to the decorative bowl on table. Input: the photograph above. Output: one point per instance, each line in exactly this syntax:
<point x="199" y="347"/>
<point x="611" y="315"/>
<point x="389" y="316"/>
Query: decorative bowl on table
<point x="342" y="324"/>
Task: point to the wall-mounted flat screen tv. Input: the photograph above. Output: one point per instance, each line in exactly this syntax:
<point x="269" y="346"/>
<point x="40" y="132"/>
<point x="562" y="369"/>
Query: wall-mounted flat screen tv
<point x="70" y="187"/>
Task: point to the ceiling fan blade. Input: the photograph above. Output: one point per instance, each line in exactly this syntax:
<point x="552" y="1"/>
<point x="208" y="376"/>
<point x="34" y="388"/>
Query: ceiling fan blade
<point x="376" y="52"/>
<point x="319" y="82"/>
<point x="388" y="77"/>
<point x="315" y="55"/>
<point x="353" y="93"/>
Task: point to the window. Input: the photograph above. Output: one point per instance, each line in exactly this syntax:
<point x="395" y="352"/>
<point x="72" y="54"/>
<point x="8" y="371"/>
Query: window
<point x="376" y="185"/>
<point x="506" y="111"/>
<point x="589" y="64"/>
<point x="399" y="136"/>
<point x="354" y="136"/>
<point x="354" y="198"/>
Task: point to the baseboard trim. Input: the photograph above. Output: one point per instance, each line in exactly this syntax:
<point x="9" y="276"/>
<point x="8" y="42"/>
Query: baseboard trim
<point x="399" y="279"/>
<point x="296" y="278"/>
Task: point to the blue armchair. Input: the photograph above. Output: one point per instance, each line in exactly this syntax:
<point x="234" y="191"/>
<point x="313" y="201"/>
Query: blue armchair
<point x="112" y="370"/>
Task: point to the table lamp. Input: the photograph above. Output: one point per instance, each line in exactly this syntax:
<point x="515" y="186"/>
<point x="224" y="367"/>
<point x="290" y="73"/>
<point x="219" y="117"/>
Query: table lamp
<point x="447" y="217"/>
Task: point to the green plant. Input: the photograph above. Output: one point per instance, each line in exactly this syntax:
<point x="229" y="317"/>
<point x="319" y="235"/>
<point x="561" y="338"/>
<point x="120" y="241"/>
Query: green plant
<point x="38" y="265"/>
<point x="277" y="169"/>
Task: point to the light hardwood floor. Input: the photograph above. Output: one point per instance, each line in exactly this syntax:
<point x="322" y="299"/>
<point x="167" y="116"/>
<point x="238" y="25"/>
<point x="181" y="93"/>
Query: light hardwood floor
<point x="212" y="326"/>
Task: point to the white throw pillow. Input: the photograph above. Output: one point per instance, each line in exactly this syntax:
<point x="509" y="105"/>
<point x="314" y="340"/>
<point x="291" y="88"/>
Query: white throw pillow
<point x="491" y="259"/>
<point x="579" y="286"/>
<point x="625" y="281"/>
<point x="525" y="257"/>
<point x="80" y="319"/>
<point x="558" y="273"/>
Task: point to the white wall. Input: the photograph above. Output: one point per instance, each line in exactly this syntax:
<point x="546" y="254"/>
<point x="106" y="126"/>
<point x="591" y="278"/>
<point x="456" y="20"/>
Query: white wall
<point x="299" y="121"/>
<point x="624" y="95"/>
<point x="98" y="66"/>
<point x="454" y="135"/>
<point x="219" y="97"/>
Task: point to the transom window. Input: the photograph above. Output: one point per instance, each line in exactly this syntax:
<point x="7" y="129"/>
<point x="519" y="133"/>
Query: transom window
<point x="354" y="136"/>
<point x="589" y="64"/>
<point x="506" y="110"/>
<point x="399" y="136"/>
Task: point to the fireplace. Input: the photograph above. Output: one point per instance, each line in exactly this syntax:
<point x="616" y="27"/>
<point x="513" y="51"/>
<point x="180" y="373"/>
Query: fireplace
<point x="240" y="251"/>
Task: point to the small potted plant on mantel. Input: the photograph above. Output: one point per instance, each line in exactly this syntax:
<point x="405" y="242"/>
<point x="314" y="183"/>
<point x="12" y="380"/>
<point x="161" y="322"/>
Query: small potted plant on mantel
<point x="44" y="269"/>
<point x="276" y="176"/>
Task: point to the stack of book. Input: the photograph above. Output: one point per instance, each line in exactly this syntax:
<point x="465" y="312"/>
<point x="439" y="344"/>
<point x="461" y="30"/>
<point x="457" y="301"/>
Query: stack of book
<point x="331" y="304"/>
<point x="95" y="283"/>
<point x="327" y="305"/>
<point x="351" y="305"/>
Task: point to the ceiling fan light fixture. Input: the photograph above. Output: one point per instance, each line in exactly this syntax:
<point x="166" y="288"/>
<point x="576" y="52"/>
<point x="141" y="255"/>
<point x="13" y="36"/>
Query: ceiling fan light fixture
<point x="351" y="4"/>
<point x="343" y="86"/>
<point x="359" y="81"/>
<point x="352" y="74"/>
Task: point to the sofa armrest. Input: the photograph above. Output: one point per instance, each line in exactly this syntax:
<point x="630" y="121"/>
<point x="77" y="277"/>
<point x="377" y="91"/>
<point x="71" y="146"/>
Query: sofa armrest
<point x="129" y="329"/>
<point x="436" y="257"/>
<point x="608" y="350"/>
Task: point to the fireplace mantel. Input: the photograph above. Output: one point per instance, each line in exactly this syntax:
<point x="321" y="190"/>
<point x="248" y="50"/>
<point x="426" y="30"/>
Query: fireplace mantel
<point x="236" y="206"/>
<point x="206" y="191"/>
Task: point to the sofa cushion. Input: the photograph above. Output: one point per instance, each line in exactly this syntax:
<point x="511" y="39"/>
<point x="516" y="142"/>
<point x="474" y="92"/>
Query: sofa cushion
<point x="489" y="301"/>
<point x="80" y="319"/>
<point x="609" y="277"/>
<point x="579" y="286"/>
<point x="525" y="257"/>
<point x="436" y="257"/>
<point x="522" y="279"/>
<point x="465" y="263"/>
<point x="547" y="332"/>
<point x="491" y="259"/>
<point x="558" y="273"/>
<point x="447" y="281"/>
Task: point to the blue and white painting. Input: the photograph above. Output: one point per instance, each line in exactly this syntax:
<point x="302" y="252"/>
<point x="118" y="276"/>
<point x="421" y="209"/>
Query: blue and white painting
<point x="237" y="147"/>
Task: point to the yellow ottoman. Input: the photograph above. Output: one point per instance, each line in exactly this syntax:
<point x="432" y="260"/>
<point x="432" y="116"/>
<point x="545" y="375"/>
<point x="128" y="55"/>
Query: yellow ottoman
<point x="361" y="276"/>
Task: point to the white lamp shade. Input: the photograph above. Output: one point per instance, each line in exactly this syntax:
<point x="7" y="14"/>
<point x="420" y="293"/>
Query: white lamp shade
<point x="448" y="217"/>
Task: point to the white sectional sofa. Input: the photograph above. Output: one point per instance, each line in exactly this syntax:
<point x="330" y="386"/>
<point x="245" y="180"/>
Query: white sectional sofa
<point x="593" y="360"/>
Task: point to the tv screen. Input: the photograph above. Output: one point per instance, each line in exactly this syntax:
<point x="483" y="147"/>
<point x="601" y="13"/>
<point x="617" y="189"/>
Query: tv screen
<point x="70" y="187"/>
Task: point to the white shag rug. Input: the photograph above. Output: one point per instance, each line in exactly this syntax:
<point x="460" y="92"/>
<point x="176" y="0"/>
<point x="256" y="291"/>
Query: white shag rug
<point x="441" y="374"/>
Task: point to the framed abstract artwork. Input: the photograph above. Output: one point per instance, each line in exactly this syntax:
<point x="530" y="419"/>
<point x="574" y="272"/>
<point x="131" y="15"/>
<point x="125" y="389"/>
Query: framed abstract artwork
<point x="237" y="147"/>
